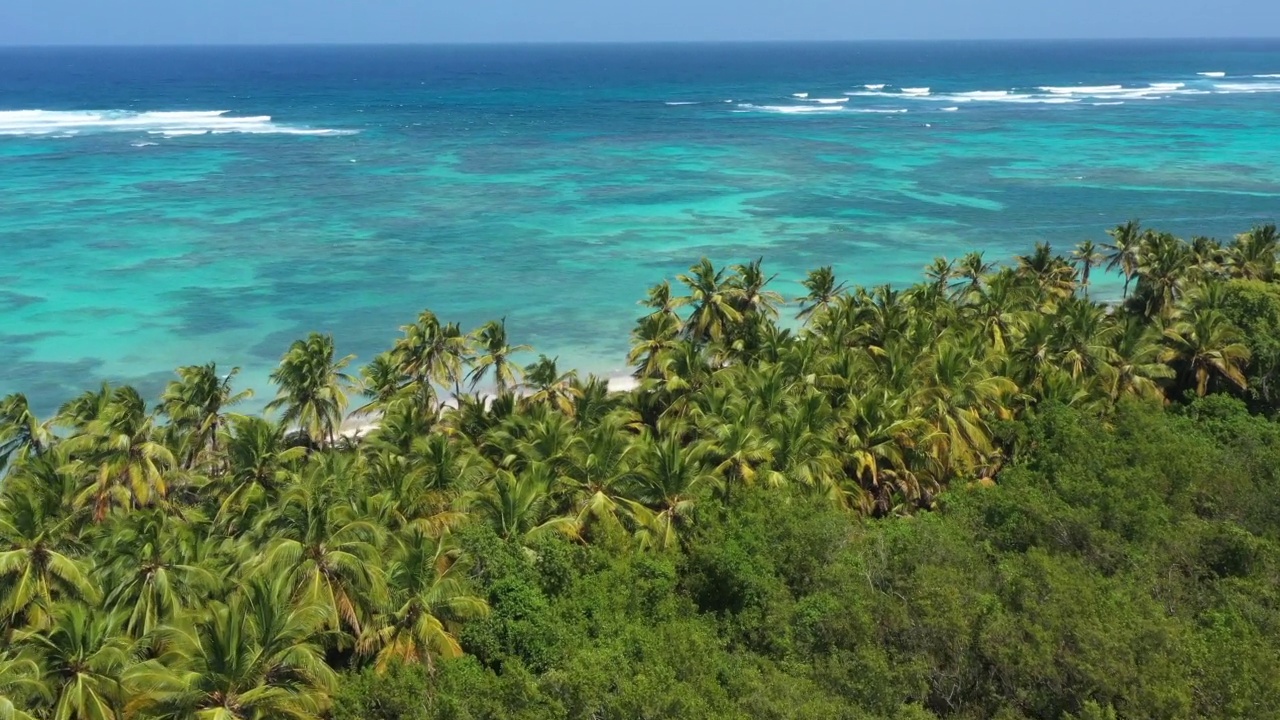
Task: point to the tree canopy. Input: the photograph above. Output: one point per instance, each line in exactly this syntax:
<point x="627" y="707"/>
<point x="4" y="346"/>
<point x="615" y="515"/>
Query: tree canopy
<point x="986" y="495"/>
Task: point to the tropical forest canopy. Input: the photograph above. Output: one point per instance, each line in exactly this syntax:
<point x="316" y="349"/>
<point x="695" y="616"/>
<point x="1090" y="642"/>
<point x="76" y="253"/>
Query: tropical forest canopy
<point x="982" y="496"/>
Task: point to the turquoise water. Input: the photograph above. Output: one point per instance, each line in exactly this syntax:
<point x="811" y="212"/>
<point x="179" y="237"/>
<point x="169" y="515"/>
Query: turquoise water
<point x="345" y="189"/>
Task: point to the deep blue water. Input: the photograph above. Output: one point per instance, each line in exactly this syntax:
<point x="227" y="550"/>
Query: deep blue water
<point x="345" y="188"/>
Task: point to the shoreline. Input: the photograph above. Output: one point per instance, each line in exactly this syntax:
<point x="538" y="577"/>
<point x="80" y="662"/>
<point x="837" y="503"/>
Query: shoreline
<point x="356" y="427"/>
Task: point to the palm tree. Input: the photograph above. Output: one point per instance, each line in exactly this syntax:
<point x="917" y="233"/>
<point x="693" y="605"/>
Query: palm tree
<point x="1253" y="254"/>
<point x="519" y="506"/>
<point x="1136" y="366"/>
<point x="887" y="318"/>
<point x="85" y="408"/>
<point x="124" y="463"/>
<point x="823" y="290"/>
<point x="998" y="306"/>
<point x="251" y="657"/>
<point x="446" y="465"/>
<point x="594" y="401"/>
<point x="973" y="269"/>
<point x="1052" y="275"/>
<point x="940" y="273"/>
<point x="804" y="450"/>
<point x="1162" y="271"/>
<point x="326" y="551"/>
<point x="524" y="441"/>
<point x="21" y="432"/>
<point x="1207" y="258"/>
<point x="21" y="688"/>
<point x="874" y="433"/>
<point x="259" y="463"/>
<point x="429" y="602"/>
<point x="495" y="357"/>
<point x="548" y="386"/>
<point x="669" y="479"/>
<point x="752" y="297"/>
<point x="155" y="570"/>
<point x="1087" y="256"/>
<point x="957" y="396"/>
<point x="654" y="337"/>
<point x="431" y="353"/>
<point x="195" y="406"/>
<point x="383" y="382"/>
<point x="85" y="659"/>
<point x="1083" y="338"/>
<point x="662" y="302"/>
<point x="399" y="427"/>
<point x="1124" y="250"/>
<point x="1034" y="353"/>
<point x="38" y="564"/>
<point x="1206" y="345"/>
<point x="597" y="473"/>
<point x="715" y="303"/>
<point x="310" y="380"/>
<point x="736" y="450"/>
<point x="418" y="488"/>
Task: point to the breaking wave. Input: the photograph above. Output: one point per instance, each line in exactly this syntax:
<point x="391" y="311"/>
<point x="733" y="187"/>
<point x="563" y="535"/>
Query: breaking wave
<point x="1246" y="88"/>
<point x="890" y="99"/>
<point x="69" y="123"/>
<point x="791" y="109"/>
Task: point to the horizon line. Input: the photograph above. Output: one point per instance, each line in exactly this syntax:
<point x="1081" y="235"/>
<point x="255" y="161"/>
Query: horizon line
<point x="508" y="43"/>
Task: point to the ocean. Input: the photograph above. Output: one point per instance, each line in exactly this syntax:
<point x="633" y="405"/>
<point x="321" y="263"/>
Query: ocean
<point x="171" y="206"/>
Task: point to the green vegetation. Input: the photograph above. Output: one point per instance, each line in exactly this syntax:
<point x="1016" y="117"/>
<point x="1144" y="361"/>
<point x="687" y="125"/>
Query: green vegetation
<point x="983" y="496"/>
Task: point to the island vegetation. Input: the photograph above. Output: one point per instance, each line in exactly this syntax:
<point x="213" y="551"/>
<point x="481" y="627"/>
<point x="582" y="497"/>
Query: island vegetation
<point x="987" y="495"/>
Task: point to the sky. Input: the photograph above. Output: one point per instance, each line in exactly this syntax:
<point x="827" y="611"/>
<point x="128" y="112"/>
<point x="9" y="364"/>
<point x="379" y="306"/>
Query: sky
<point x="133" y="22"/>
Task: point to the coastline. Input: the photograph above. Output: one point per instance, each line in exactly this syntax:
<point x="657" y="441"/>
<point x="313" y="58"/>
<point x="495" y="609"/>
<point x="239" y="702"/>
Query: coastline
<point x="356" y="426"/>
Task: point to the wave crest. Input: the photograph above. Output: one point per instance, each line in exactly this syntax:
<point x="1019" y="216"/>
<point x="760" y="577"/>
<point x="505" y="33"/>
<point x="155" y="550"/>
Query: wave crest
<point x="1246" y="88"/>
<point x="69" y="123"/>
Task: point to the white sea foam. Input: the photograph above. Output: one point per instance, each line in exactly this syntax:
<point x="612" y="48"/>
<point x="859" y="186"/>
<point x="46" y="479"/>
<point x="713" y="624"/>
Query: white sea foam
<point x="828" y="101"/>
<point x="1039" y="100"/>
<point x="790" y="109"/>
<point x="1082" y="89"/>
<point x="59" y="123"/>
<point x="1096" y="95"/>
<point x="142" y="144"/>
<point x="950" y="109"/>
<point x="1006" y="97"/>
<point x="1213" y="74"/>
<point x="983" y="94"/>
<point x="682" y="102"/>
<point x="1249" y="88"/>
<point x="879" y="111"/>
<point x="800" y="95"/>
